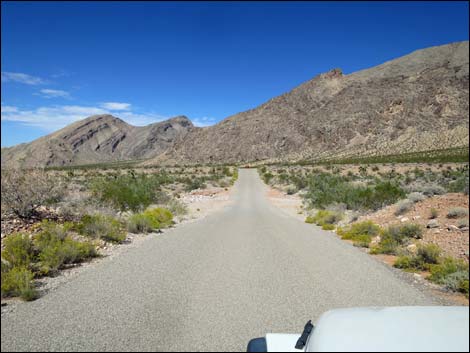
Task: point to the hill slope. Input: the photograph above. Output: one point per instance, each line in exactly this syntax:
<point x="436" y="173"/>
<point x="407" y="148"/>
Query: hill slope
<point x="99" y="138"/>
<point x="414" y="103"/>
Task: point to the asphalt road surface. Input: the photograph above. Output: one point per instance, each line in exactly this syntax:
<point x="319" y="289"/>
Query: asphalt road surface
<point x="210" y="285"/>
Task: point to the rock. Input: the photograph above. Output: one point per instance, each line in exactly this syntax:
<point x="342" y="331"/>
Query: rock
<point x="433" y="223"/>
<point x="412" y="248"/>
<point x="404" y="219"/>
<point x="451" y="227"/>
<point x="416" y="217"/>
<point x="464" y="229"/>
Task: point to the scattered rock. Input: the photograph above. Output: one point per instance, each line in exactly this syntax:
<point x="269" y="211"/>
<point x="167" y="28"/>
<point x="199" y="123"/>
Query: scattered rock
<point x="404" y="219"/>
<point x="433" y="223"/>
<point x="451" y="227"/>
<point x="412" y="248"/>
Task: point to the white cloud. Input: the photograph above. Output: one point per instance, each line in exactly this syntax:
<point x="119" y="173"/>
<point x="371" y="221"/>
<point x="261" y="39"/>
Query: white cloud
<point x="53" y="93"/>
<point x="21" y="78"/>
<point x="204" y="121"/>
<point x="9" y="109"/>
<point x="56" y="117"/>
<point x="116" y="106"/>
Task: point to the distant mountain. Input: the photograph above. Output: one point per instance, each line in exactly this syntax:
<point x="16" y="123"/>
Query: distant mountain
<point x="415" y="103"/>
<point x="99" y="138"/>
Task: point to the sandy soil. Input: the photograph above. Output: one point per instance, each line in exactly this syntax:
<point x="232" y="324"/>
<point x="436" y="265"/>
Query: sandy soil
<point x="290" y="204"/>
<point x="453" y="241"/>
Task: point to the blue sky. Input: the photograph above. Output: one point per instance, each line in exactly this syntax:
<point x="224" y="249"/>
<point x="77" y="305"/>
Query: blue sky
<point x="147" y="61"/>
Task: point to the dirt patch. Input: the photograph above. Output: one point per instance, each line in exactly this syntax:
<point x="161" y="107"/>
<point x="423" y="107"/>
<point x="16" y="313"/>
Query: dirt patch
<point x="453" y="241"/>
<point x="203" y="202"/>
<point x="290" y="204"/>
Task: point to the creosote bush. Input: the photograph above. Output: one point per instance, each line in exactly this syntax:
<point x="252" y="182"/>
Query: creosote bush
<point x="324" y="217"/>
<point x="18" y="282"/>
<point x="102" y="227"/>
<point x="360" y="233"/>
<point x="457" y="212"/>
<point x="23" y="191"/>
<point x="394" y="236"/>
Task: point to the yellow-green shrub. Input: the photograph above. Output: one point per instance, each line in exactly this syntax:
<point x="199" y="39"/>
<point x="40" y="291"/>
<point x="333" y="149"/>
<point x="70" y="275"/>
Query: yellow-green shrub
<point x="18" y="249"/>
<point x="160" y="216"/>
<point x="18" y="281"/>
<point x="103" y="227"/>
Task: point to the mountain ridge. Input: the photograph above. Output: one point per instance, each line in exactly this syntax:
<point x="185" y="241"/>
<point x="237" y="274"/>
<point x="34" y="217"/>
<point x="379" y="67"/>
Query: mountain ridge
<point x="413" y="103"/>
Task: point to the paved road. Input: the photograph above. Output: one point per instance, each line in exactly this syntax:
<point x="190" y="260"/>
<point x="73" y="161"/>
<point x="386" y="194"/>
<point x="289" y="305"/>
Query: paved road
<point x="209" y="285"/>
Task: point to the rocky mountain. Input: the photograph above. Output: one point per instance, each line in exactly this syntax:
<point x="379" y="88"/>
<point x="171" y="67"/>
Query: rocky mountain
<point x="414" y="103"/>
<point x="98" y="139"/>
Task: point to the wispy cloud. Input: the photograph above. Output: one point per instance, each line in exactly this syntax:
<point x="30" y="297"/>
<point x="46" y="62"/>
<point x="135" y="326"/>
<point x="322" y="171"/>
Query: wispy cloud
<point x="53" y="93"/>
<point x="204" y="121"/>
<point x="55" y="117"/>
<point x="116" y="106"/>
<point x="22" y="78"/>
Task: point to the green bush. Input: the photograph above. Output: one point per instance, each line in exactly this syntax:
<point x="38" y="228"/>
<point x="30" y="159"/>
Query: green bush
<point x="426" y="256"/>
<point x="429" y="253"/>
<point x="325" y="189"/>
<point x="309" y="220"/>
<point x="140" y="223"/>
<point x="323" y="217"/>
<point x="195" y="183"/>
<point x="446" y="267"/>
<point x="457" y="212"/>
<point x="102" y="227"/>
<point x="360" y="228"/>
<point x="360" y="233"/>
<point x="129" y="192"/>
<point x="18" y="250"/>
<point x="18" y="282"/>
<point x="328" y="226"/>
<point x="55" y="248"/>
<point x="160" y="215"/>
<point x="411" y="230"/>
<point x="362" y="240"/>
<point x="457" y="282"/>
<point x="433" y="213"/>
<point x="403" y="206"/>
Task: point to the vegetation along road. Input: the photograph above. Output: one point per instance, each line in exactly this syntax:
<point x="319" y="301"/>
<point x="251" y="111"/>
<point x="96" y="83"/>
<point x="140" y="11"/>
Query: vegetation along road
<point x="208" y="285"/>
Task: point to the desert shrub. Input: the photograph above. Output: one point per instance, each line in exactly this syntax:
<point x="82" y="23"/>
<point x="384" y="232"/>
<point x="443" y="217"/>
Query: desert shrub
<point x="446" y="267"/>
<point x="429" y="253"/>
<point x="326" y="189"/>
<point x="433" y="213"/>
<point x="23" y="191"/>
<point x="267" y="177"/>
<point x="309" y="220"/>
<point x="129" y="192"/>
<point x="426" y="256"/>
<point x="416" y="197"/>
<point x="177" y="207"/>
<point x="394" y="236"/>
<point x="328" y="226"/>
<point x="18" y="250"/>
<point x="18" y="282"/>
<point x="362" y="240"/>
<point x="56" y="253"/>
<point x="462" y="223"/>
<point x="411" y="230"/>
<point x="360" y="228"/>
<point x="56" y="248"/>
<point x="140" y="223"/>
<point x="323" y="217"/>
<point x="403" y="206"/>
<point x="195" y="183"/>
<point x="461" y="184"/>
<point x="457" y="212"/>
<point x="433" y="189"/>
<point x="457" y="282"/>
<point x="160" y="215"/>
<point x="291" y="190"/>
<point x="102" y="227"/>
